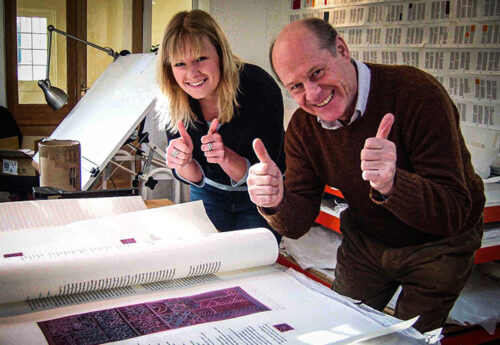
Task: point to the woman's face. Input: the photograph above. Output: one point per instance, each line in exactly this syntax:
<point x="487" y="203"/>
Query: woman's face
<point x="198" y="76"/>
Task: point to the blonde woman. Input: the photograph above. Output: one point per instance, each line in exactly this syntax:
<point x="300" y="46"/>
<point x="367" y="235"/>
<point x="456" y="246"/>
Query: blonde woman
<point x="217" y="106"/>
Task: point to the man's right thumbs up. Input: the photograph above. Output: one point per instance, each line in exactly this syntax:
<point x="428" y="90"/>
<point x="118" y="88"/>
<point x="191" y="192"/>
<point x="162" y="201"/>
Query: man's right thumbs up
<point x="261" y="152"/>
<point x="265" y="181"/>
<point x="384" y="128"/>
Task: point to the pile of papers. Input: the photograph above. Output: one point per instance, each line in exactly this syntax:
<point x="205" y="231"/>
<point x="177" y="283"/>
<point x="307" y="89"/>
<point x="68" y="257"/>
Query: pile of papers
<point x="167" y="276"/>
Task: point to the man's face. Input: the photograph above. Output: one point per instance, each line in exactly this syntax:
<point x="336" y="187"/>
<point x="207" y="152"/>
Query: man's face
<point x="322" y="84"/>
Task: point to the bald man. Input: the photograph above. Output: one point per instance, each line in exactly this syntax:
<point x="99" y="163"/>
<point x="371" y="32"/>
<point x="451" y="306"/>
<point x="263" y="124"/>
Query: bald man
<point x="389" y="138"/>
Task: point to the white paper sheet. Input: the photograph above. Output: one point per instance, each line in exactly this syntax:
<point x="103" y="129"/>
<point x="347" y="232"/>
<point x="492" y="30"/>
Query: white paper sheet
<point x="492" y="193"/>
<point x="317" y="248"/>
<point x="491" y="236"/>
<point x="33" y="214"/>
<point x="188" y="220"/>
<point x="478" y="303"/>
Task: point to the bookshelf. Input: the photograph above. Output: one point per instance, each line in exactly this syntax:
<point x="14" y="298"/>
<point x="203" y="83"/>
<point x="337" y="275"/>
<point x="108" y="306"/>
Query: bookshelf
<point x="484" y="254"/>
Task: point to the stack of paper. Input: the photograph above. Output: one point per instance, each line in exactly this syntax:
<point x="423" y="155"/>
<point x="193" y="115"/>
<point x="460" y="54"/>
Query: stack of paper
<point x="166" y="276"/>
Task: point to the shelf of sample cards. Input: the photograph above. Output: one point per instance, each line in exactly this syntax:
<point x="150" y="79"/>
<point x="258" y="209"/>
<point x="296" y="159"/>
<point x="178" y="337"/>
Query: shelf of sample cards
<point x="333" y="204"/>
<point x="490" y="248"/>
<point x="331" y="207"/>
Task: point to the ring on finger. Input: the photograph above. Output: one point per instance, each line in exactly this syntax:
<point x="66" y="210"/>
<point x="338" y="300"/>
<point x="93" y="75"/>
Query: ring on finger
<point x="210" y="147"/>
<point x="175" y="153"/>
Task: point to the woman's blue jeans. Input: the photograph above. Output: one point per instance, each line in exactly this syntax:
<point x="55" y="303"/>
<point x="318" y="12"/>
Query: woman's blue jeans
<point x="230" y="210"/>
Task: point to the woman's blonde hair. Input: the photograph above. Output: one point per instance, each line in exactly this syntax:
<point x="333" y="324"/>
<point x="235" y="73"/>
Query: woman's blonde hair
<point x="184" y="36"/>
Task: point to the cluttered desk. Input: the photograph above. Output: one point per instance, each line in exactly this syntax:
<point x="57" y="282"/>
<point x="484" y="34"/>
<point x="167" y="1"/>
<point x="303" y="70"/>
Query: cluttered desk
<point x="114" y="270"/>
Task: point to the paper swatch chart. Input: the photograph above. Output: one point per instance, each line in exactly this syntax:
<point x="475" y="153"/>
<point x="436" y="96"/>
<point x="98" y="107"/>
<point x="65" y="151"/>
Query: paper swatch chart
<point x="458" y="42"/>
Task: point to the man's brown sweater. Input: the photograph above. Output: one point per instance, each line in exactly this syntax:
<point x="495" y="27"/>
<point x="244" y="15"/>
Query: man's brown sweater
<point x="436" y="192"/>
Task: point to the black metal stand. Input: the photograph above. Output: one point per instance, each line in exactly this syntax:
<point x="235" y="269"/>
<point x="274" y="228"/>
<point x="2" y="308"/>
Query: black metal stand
<point x="43" y="193"/>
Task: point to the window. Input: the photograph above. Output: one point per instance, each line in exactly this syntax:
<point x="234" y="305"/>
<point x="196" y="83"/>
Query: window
<point x="355" y="36"/>
<point x="31" y="48"/>
<point x="434" y="60"/>
<point x="438" y="35"/>
<point x="67" y="71"/>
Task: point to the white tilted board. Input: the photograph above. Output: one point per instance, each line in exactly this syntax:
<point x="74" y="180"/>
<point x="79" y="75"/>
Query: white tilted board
<point x="110" y="111"/>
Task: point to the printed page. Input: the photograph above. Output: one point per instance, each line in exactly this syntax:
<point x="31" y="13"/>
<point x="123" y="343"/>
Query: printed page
<point x="40" y="304"/>
<point x="258" y="306"/>
<point x="112" y="266"/>
<point x="41" y="213"/>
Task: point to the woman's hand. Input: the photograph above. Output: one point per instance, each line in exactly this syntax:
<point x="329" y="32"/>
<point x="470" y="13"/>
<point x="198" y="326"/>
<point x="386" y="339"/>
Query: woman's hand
<point x="212" y="145"/>
<point x="180" y="150"/>
<point x="216" y="152"/>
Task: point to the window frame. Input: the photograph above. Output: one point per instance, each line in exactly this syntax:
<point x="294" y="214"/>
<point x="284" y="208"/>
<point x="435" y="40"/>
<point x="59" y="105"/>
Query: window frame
<point x="49" y="16"/>
<point x="40" y="116"/>
<point x="27" y="115"/>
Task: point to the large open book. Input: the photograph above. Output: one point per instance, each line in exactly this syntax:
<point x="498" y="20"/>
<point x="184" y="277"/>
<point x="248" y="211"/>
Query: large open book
<point x="166" y="276"/>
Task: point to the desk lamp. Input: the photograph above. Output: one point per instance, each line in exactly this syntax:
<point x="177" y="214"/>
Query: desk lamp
<point x="54" y="96"/>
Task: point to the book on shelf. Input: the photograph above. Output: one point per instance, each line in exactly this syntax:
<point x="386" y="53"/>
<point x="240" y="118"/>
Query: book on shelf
<point x="166" y="276"/>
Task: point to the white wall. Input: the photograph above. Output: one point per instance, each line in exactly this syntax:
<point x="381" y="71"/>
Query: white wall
<point x="244" y="23"/>
<point x="251" y="26"/>
<point x="3" y="96"/>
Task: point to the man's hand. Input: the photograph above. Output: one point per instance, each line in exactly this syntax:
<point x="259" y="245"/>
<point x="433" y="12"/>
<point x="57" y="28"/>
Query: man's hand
<point x="378" y="158"/>
<point x="265" y="181"/>
<point x="212" y="144"/>
<point x="180" y="150"/>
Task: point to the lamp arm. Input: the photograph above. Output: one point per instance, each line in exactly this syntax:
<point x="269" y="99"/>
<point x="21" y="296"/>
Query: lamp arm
<point x="109" y="51"/>
<point x="54" y="96"/>
<point x="48" y="56"/>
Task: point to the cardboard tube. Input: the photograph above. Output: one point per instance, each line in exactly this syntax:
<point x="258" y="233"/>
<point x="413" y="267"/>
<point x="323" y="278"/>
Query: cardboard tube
<point x="60" y="164"/>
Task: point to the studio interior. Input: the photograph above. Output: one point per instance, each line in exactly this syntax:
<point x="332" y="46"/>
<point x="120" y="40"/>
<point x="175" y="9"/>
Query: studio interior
<point x="250" y="172"/>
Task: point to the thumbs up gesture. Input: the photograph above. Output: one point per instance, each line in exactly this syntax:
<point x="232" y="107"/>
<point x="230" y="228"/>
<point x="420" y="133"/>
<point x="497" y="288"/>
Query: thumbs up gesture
<point x="212" y="145"/>
<point x="378" y="158"/>
<point x="180" y="150"/>
<point x="265" y="181"/>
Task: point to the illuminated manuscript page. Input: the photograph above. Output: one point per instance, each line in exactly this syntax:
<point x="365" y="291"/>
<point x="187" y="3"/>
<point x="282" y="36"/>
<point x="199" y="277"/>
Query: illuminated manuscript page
<point x="292" y="314"/>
